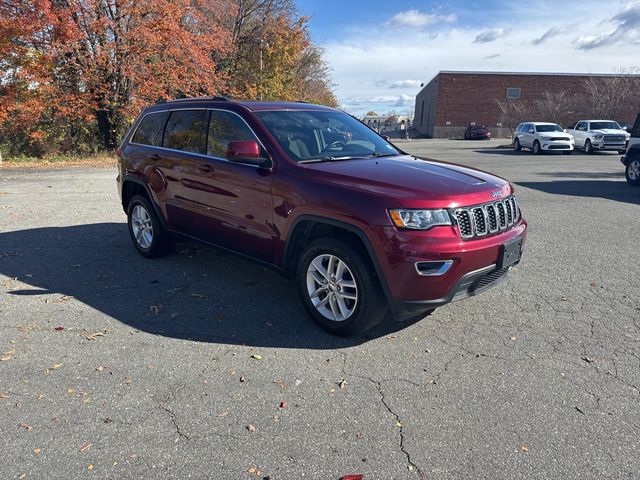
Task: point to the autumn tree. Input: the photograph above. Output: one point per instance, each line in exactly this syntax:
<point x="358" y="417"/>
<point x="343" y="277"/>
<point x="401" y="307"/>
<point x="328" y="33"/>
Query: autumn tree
<point x="273" y="56"/>
<point x="512" y="112"/>
<point x="68" y="65"/>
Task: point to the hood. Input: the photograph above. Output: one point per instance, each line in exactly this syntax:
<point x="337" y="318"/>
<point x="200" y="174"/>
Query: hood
<point x="414" y="183"/>
<point x="610" y="131"/>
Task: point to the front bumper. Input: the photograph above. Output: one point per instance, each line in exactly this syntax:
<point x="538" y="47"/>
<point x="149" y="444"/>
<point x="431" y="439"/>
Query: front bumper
<point x="475" y="266"/>
<point x="557" y="146"/>
<point x="608" y="146"/>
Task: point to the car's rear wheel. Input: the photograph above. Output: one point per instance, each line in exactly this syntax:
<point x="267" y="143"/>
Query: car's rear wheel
<point x="536" y="148"/>
<point x="632" y="172"/>
<point x="588" y="148"/>
<point x="339" y="287"/>
<point x="147" y="234"/>
<point x="516" y="145"/>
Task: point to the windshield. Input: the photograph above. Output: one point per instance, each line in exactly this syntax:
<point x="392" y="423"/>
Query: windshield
<point x="549" y="128"/>
<point x="604" y="125"/>
<point x="307" y="135"/>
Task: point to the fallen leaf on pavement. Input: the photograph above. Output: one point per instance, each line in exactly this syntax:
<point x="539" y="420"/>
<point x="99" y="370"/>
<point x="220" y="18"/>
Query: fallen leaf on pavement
<point x="352" y="477"/>
<point x="3" y="396"/>
<point x="590" y="359"/>
<point x="283" y="405"/>
<point x="128" y="380"/>
<point x="280" y="383"/>
<point x="95" y="335"/>
<point x="59" y="329"/>
<point x="85" y="447"/>
<point x="37" y="451"/>
<point x="26" y="426"/>
<point x="223" y="414"/>
<point x="256" y="356"/>
<point x="242" y="379"/>
<point x="342" y="383"/>
<point x="514" y="338"/>
<point x="251" y="428"/>
<point x="90" y="467"/>
<point x="156" y="309"/>
<point x="22" y="475"/>
<point x="524" y="448"/>
<point x="398" y="424"/>
<point x="55" y="366"/>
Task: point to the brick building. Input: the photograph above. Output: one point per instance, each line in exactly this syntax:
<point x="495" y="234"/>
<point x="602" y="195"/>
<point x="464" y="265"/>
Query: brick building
<point x="451" y="101"/>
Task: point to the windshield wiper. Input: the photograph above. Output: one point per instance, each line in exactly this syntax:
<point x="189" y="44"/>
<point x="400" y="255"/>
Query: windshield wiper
<point x="325" y="159"/>
<point x="379" y="154"/>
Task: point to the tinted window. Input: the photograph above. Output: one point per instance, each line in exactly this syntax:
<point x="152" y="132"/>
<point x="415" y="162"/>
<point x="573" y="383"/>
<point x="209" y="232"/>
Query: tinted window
<point x="185" y="131"/>
<point x="549" y="128"/>
<point x="636" y="128"/>
<point x="225" y="127"/>
<point x="582" y="126"/>
<point x="605" y="125"/>
<point x="149" y="131"/>
<point x="308" y="135"/>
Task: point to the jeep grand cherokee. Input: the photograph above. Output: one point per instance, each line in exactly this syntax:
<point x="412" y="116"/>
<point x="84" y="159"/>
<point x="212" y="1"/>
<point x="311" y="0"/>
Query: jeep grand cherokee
<point x="360" y="225"/>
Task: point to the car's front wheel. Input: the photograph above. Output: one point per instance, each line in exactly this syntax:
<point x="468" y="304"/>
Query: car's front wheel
<point x="339" y="287"/>
<point x="588" y="148"/>
<point x="516" y="145"/>
<point x="536" y="148"/>
<point x="632" y="172"/>
<point x="147" y="234"/>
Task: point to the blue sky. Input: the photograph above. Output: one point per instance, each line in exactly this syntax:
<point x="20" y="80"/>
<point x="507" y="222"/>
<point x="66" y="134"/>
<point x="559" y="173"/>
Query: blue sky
<point x="381" y="51"/>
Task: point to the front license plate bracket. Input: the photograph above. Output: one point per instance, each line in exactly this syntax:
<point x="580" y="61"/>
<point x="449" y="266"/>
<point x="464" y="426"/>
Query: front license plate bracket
<point x="510" y="253"/>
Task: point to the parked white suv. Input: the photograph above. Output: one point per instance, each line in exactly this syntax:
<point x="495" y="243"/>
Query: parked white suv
<point x="594" y="135"/>
<point x="541" y="137"/>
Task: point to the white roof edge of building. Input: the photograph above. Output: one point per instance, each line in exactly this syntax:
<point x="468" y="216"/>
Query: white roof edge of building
<point x="542" y="74"/>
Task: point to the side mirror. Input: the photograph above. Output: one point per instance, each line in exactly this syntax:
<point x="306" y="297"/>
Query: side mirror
<point x="624" y="128"/>
<point x="245" y="152"/>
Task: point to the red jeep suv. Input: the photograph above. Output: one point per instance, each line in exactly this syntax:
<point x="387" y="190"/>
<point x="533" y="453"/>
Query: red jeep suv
<point x="309" y="190"/>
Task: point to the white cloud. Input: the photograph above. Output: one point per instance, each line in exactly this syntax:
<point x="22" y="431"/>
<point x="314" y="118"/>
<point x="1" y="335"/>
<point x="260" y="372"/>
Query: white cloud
<point x="417" y="19"/>
<point x="490" y="35"/>
<point x="626" y="29"/>
<point x="552" y="32"/>
<point x="383" y="73"/>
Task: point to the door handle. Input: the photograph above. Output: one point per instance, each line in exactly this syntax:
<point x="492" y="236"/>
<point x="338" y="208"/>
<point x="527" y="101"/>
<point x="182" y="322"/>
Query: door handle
<point x="206" y="168"/>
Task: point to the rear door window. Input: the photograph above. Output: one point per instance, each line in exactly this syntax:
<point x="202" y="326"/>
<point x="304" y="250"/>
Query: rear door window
<point x="149" y="132"/>
<point x="185" y="131"/>
<point x="226" y="127"/>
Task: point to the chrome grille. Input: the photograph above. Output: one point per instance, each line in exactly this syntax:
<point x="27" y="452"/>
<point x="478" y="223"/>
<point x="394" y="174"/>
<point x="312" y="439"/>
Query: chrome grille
<point x="614" y="138"/>
<point x="481" y="220"/>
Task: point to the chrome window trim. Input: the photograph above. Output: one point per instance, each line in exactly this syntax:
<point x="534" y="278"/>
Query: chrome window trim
<point x="205" y="155"/>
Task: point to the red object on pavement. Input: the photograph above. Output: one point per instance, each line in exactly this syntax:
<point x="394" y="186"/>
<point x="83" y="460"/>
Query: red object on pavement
<point x="352" y="477"/>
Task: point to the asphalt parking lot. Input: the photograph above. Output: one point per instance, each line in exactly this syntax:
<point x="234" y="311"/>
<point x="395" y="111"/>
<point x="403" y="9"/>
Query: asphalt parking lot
<point x="203" y="365"/>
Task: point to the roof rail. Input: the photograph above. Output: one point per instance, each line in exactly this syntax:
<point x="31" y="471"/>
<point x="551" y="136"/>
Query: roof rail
<point x="217" y="98"/>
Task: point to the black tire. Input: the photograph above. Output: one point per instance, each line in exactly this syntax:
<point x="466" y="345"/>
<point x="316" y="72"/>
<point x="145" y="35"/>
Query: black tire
<point x="370" y="305"/>
<point x="588" y="148"/>
<point x="516" y="145"/>
<point x="154" y="241"/>
<point x="632" y="171"/>
<point x="536" y="148"/>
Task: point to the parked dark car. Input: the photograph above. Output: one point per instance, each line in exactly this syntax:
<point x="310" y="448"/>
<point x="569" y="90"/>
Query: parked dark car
<point x="631" y="158"/>
<point x="358" y="224"/>
<point x="474" y="132"/>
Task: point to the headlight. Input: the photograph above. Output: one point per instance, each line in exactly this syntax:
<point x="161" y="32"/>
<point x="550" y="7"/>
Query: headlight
<point x="598" y="137"/>
<point x="419" y="219"/>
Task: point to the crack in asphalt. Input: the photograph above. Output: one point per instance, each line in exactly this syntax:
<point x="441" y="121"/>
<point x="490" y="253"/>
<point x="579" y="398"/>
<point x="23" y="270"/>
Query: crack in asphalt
<point x="411" y="465"/>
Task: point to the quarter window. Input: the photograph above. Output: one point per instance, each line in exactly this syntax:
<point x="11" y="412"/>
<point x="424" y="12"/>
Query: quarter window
<point x="185" y="131"/>
<point x="226" y="127"/>
<point x="150" y="130"/>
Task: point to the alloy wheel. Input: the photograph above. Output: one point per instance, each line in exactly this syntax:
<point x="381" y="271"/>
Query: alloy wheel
<point x="634" y="170"/>
<point x="332" y="287"/>
<point x="141" y="226"/>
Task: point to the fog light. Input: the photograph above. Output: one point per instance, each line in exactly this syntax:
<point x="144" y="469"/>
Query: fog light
<point x="433" y="269"/>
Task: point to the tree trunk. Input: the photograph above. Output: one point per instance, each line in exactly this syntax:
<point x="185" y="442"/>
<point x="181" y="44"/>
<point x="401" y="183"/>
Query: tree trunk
<point x="106" y="127"/>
